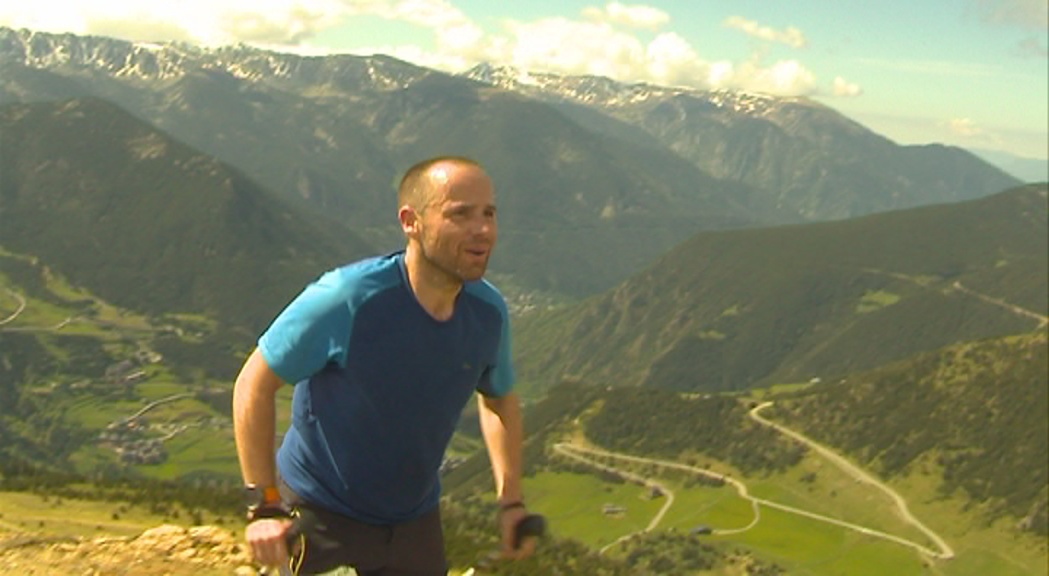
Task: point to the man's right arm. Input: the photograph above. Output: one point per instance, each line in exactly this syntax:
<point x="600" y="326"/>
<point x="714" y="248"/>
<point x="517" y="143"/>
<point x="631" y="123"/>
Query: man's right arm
<point x="255" y="420"/>
<point x="255" y="430"/>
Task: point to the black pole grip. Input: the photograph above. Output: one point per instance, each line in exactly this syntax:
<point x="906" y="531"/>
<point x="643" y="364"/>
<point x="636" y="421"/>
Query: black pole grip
<point x="301" y="524"/>
<point x="529" y="526"/>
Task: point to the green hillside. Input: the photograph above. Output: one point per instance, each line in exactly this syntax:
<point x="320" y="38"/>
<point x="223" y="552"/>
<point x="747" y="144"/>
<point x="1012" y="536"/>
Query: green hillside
<point x="975" y="412"/>
<point x="149" y="224"/>
<point x="734" y="309"/>
<point x="959" y="433"/>
<point x="73" y="366"/>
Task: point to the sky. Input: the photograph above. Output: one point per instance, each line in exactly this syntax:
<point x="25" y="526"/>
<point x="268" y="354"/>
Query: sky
<point x="969" y="73"/>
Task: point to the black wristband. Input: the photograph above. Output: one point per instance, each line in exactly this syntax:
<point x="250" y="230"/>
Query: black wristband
<point x="267" y="511"/>
<point x="511" y="505"/>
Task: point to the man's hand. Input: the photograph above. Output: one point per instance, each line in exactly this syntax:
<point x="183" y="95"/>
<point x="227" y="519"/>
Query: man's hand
<point x="267" y="540"/>
<point x="509" y="519"/>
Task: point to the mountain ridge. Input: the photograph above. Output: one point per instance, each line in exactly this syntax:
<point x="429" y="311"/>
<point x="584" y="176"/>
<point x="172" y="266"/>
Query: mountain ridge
<point x="334" y="132"/>
<point x="733" y="309"/>
<point x="146" y="222"/>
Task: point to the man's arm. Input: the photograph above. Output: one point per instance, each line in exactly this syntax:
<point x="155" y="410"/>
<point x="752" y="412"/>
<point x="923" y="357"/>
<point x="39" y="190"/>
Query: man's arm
<point x="255" y="420"/>
<point x="255" y="430"/>
<point x="503" y="430"/>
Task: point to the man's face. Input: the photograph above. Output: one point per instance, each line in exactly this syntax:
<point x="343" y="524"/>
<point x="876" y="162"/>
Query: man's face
<point x="457" y="228"/>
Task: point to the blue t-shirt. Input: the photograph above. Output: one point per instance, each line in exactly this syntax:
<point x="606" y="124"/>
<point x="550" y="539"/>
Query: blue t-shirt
<point x="380" y="385"/>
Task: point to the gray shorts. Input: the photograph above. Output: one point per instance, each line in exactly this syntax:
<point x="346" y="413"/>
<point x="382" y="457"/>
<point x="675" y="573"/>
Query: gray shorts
<point x="413" y="548"/>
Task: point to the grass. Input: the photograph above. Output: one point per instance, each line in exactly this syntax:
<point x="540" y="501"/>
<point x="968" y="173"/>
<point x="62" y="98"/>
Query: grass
<point x="573" y="505"/>
<point x="807" y="547"/>
<point x="817" y="486"/>
<point x="197" y="450"/>
<point x="96" y="412"/>
<point x="777" y="389"/>
<point x="71" y="518"/>
<point x="720" y="508"/>
<point x="875" y="300"/>
<point x="980" y="548"/>
<point x="159" y="387"/>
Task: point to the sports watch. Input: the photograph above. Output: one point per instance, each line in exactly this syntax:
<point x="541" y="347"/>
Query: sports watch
<point x="264" y="503"/>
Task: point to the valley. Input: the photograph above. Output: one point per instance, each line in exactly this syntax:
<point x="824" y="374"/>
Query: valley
<point x="663" y="492"/>
<point x="753" y="337"/>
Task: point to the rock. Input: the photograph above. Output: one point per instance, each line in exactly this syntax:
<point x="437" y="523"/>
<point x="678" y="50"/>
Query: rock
<point x="166" y="550"/>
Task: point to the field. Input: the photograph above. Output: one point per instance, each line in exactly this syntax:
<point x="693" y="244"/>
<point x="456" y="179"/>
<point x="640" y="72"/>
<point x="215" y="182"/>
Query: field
<point x="72" y="518"/>
<point x="800" y="544"/>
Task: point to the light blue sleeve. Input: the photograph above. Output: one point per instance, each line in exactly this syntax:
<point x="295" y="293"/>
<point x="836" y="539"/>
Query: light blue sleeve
<point x="502" y="375"/>
<point x="499" y="379"/>
<point x="311" y="331"/>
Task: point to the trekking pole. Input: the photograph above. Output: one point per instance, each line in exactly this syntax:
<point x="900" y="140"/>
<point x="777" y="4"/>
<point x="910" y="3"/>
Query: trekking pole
<point x="533" y="525"/>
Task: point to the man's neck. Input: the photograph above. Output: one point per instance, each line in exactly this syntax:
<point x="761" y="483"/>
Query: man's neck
<point x="435" y="291"/>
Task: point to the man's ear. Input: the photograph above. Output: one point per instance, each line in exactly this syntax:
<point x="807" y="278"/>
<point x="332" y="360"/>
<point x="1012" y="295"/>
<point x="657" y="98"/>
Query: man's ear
<point x="409" y="220"/>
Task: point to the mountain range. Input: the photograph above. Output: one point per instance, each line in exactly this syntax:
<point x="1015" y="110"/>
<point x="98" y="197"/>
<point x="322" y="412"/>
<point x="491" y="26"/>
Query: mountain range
<point x="729" y="310"/>
<point x="700" y="242"/>
<point x="584" y="166"/>
<point x="800" y="156"/>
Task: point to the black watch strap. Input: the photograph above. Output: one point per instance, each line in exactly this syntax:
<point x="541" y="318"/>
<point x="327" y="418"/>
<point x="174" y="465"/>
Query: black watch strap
<point x="268" y="511"/>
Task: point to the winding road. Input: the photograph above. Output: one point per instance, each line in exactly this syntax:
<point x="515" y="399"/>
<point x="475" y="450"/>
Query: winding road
<point x="861" y="475"/>
<point x="21" y="306"/>
<point x="1018" y="310"/>
<point x="566" y="450"/>
<point x="585" y="454"/>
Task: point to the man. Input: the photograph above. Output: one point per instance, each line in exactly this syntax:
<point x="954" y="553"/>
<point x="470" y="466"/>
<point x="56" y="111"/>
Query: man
<point x="384" y="354"/>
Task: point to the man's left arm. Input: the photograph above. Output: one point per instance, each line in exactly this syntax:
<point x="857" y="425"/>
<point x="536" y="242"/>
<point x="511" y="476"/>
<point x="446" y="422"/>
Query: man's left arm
<point x="503" y="430"/>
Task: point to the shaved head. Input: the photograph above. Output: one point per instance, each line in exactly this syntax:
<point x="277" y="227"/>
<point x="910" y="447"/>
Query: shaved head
<point x="419" y="182"/>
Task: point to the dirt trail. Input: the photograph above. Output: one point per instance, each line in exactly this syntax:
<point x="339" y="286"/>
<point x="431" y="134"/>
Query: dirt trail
<point x="21" y="307"/>
<point x="944" y="551"/>
<point x="566" y="450"/>
<point x="859" y="474"/>
<point x="1042" y="320"/>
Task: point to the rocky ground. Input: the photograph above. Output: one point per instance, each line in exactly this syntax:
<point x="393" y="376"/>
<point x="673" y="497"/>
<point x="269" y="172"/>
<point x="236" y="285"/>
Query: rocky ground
<point x="163" y="551"/>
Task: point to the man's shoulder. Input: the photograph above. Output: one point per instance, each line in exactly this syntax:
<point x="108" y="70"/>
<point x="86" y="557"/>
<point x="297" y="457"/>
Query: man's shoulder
<point x="487" y="293"/>
<point x="366" y="274"/>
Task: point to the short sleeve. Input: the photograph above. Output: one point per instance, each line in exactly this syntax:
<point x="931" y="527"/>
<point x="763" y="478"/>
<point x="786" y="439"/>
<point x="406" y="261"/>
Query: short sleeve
<point x="310" y="332"/>
<point x="499" y="379"/>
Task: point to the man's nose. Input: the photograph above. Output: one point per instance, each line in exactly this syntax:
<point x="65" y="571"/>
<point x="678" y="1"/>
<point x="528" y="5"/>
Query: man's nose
<point x="483" y="225"/>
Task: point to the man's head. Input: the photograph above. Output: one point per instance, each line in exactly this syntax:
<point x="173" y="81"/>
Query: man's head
<point x="447" y="212"/>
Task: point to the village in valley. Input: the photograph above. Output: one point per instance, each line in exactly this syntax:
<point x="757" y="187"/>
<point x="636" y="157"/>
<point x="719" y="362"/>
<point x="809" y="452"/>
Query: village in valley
<point x="135" y="438"/>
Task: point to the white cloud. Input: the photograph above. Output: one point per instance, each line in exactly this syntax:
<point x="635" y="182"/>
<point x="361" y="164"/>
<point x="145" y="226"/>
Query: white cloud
<point x="964" y="127"/>
<point x="209" y="22"/>
<point x="566" y="46"/>
<point x="969" y="133"/>
<point x="671" y="60"/>
<point x="791" y="36"/>
<point x="633" y="15"/>
<point x="845" y="88"/>
<point x="604" y="42"/>
<point x="785" y="78"/>
<point x="572" y="47"/>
